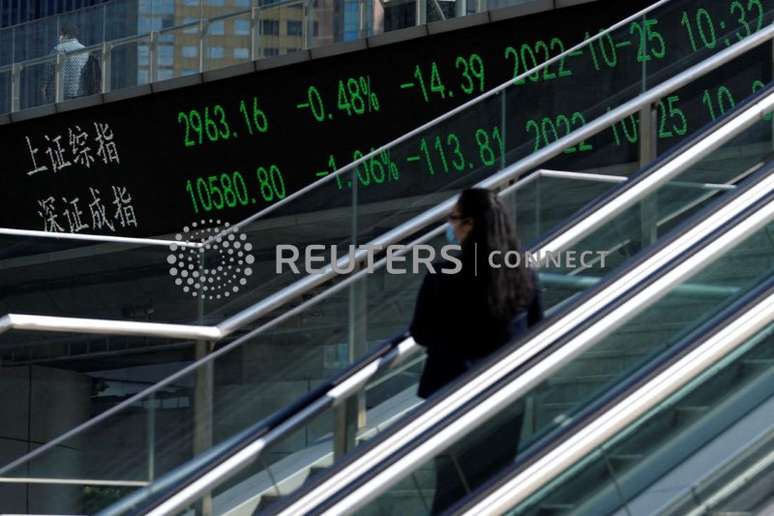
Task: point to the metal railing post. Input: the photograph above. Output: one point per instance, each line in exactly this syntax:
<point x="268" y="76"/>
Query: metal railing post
<point x="153" y="47"/>
<point x="203" y="29"/>
<point x="460" y="8"/>
<point x="203" y="415"/>
<point x="648" y="153"/>
<point x="16" y="70"/>
<point x="58" y="79"/>
<point x="362" y="29"/>
<point x="648" y="134"/>
<point x="152" y="438"/>
<point x="308" y="25"/>
<point x="421" y="12"/>
<point x="107" y="54"/>
<point x="104" y="22"/>
<point x="254" y="33"/>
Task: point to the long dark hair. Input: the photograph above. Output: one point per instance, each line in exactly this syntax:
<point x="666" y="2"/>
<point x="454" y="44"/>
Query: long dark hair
<point x="508" y="290"/>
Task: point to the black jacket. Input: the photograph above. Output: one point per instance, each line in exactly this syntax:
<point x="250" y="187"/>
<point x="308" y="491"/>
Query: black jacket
<point x="452" y="321"/>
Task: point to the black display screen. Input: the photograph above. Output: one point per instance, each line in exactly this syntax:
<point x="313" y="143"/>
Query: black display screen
<point x="152" y="164"/>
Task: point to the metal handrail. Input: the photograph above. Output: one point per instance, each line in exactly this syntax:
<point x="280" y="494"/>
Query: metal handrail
<point x="701" y="241"/>
<point x="431" y="216"/>
<point x="88" y="237"/>
<point x="45" y="323"/>
<point x="729" y="336"/>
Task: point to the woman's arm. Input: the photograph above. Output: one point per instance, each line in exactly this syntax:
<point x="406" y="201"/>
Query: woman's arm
<point x="424" y="324"/>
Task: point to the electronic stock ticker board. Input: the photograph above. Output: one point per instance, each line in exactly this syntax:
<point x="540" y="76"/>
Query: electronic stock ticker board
<point x="150" y="165"/>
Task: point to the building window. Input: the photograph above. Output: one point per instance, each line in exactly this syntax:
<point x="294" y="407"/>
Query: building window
<point x="216" y="53"/>
<point x="193" y="29"/>
<point x="189" y="71"/>
<point x="217" y="28"/>
<point x="144" y="25"/>
<point x="166" y="55"/>
<point x="166" y="7"/>
<point x="242" y="27"/>
<point x="270" y="51"/>
<point x="216" y="2"/>
<point x="270" y="27"/>
<point x="142" y="55"/>
<point x="241" y="53"/>
<point x="295" y="28"/>
<point x="164" y="73"/>
<point x="190" y="51"/>
<point x="190" y="2"/>
<point x="242" y="3"/>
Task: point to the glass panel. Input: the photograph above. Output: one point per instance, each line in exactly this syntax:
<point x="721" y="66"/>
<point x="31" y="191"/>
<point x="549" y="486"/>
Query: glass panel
<point x="121" y="18"/>
<point x="5" y="90"/>
<point x="678" y="432"/>
<point x="278" y="26"/>
<point x="51" y="382"/>
<point x="6" y="46"/>
<point x="177" y="53"/>
<point x="228" y="42"/>
<point x="36" y="39"/>
<point x="46" y="276"/>
<point x="89" y="25"/>
<point x="36" y="84"/>
<point x="464" y="466"/>
<point x="638" y="227"/>
<point x="721" y="488"/>
<point x="129" y="64"/>
<point x="279" y="468"/>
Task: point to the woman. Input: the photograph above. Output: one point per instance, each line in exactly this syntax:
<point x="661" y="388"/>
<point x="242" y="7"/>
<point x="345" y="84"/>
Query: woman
<point x="462" y="318"/>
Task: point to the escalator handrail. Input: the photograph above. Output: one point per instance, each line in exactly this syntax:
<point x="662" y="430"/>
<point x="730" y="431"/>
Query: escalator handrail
<point x="762" y="296"/>
<point x="145" y="507"/>
<point x="398" y="442"/>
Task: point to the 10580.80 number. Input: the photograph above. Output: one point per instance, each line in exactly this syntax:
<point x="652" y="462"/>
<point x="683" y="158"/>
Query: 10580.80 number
<point x="231" y="190"/>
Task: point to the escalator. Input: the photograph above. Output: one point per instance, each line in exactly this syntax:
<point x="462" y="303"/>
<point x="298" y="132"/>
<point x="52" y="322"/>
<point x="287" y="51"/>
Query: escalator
<point x="273" y="361"/>
<point x="701" y="446"/>
<point x="279" y="472"/>
<point x="395" y="474"/>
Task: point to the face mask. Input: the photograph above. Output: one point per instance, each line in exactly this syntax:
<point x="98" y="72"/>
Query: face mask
<point x="450" y="236"/>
